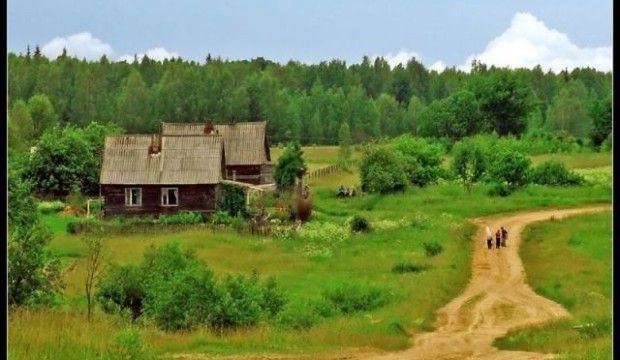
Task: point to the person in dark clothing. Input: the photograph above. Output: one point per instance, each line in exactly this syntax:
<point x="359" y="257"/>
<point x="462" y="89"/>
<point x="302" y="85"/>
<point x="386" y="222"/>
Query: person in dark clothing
<point x="498" y="239"/>
<point x="341" y="191"/>
<point x="504" y="236"/>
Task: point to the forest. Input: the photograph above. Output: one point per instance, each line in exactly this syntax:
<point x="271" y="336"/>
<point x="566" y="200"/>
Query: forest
<point x="307" y="103"/>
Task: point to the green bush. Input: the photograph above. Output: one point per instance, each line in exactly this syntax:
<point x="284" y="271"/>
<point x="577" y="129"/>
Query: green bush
<point x="352" y="298"/>
<point x="509" y="166"/>
<point x="184" y="218"/>
<point x="382" y="170"/>
<point x="432" y="248"/>
<point x="409" y="267"/>
<point x="220" y="218"/>
<point x="499" y="189"/>
<point x="274" y="299"/>
<point x="231" y="198"/>
<point x="177" y="291"/>
<point x="359" y="224"/>
<point x="298" y="317"/>
<point x="554" y="173"/>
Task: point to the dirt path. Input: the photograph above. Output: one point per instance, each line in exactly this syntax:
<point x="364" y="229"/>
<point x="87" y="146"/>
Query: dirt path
<point x="496" y="300"/>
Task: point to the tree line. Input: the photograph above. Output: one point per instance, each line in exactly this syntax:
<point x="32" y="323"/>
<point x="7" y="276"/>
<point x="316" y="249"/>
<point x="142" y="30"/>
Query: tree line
<point x="305" y="103"/>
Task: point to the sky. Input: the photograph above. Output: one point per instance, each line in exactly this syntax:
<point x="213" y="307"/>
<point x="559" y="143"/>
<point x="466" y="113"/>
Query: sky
<point x="556" y="34"/>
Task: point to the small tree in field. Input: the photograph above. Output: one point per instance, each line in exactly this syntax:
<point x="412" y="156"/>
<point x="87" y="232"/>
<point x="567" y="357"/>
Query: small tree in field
<point x="94" y="262"/>
<point x="344" y="138"/>
<point x="511" y="167"/>
<point x="468" y="162"/>
<point x="381" y="170"/>
<point x="290" y="167"/>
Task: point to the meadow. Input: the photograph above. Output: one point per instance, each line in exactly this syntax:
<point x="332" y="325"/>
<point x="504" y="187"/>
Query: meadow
<point x="584" y="288"/>
<point x="324" y="256"/>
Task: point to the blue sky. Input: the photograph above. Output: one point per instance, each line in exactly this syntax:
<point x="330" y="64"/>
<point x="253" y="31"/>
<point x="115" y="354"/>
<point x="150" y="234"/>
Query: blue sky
<point x="554" y="33"/>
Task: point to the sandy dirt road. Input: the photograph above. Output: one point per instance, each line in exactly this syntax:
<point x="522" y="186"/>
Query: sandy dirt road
<point x="496" y="300"/>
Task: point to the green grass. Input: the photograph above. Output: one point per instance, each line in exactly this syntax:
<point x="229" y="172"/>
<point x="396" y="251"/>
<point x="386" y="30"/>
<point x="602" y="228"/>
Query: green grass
<point x="584" y="287"/>
<point x="576" y="161"/>
<point x="305" y="267"/>
<point x="57" y="224"/>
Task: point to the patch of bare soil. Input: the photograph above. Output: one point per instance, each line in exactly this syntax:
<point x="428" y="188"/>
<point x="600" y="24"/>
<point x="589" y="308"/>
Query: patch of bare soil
<point x="496" y="300"/>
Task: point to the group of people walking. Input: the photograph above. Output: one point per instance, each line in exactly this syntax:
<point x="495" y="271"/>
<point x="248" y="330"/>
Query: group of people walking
<point x="500" y="238"/>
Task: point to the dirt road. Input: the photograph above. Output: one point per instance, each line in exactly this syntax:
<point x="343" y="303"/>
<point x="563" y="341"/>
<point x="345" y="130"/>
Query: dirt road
<point x="496" y="300"/>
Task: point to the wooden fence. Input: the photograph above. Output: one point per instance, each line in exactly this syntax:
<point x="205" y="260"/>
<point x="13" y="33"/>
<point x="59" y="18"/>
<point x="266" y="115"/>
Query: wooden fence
<point x="323" y="171"/>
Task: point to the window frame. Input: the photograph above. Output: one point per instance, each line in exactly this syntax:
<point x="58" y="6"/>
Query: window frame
<point x="166" y="191"/>
<point x="128" y="196"/>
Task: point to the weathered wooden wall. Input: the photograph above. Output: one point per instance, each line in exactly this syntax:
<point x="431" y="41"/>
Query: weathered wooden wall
<point x="197" y="198"/>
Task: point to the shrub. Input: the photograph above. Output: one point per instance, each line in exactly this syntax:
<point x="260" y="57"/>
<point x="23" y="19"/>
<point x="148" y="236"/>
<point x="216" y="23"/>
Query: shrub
<point x="554" y="173"/>
<point x="511" y="167"/>
<point x="382" y="170"/>
<point x="422" y="159"/>
<point x="352" y="298"/>
<point x="232" y="198"/>
<point x="408" y="267"/>
<point x="359" y="224"/>
<point x="499" y="189"/>
<point x="290" y="167"/>
<point x="184" y="218"/>
<point x="432" y="248"/>
<point x="220" y="218"/>
<point x="274" y="299"/>
<point x="298" y="317"/>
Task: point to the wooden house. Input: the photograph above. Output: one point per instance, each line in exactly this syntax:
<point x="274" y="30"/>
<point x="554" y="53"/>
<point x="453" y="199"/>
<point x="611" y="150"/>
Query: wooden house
<point x="248" y="158"/>
<point x="155" y="174"/>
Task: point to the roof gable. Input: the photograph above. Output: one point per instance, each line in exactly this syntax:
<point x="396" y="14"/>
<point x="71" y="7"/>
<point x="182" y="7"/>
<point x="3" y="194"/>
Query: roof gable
<point x="244" y="143"/>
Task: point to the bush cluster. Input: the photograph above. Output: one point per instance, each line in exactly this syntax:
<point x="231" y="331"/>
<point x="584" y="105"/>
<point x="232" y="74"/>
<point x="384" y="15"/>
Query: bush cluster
<point x="554" y="173"/>
<point x="179" y="292"/>
<point x="184" y="218"/>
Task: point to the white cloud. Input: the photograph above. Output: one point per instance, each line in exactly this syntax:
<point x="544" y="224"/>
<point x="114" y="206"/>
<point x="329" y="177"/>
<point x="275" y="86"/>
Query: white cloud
<point x="81" y="45"/>
<point x="401" y="57"/>
<point x="438" y="66"/>
<point x="158" y="54"/>
<point x="528" y="42"/>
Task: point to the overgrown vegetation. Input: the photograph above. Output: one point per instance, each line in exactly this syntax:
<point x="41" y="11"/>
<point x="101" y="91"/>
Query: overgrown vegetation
<point x="584" y="288"/>
<point x="180" y="292"/>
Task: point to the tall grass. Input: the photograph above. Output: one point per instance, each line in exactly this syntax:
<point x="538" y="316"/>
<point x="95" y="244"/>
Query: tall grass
<point x="584" y="287"/>
<point x="576" y="161"/>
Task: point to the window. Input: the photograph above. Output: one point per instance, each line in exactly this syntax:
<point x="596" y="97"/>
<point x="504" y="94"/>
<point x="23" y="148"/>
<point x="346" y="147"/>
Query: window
<point x="133" y="196"/>
<point x="170" y="196"/>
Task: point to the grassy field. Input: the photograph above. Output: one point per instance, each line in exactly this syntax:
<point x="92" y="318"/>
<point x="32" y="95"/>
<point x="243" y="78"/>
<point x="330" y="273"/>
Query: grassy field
<point x="577" y="161"/>
<point x="304" y="266"/>
<point x="584" y="287"/>
<point x="322" y="156"/>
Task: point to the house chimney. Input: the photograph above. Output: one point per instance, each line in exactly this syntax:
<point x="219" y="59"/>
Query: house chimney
<point x="209" y="129"/>
<point x="155" y="147"/>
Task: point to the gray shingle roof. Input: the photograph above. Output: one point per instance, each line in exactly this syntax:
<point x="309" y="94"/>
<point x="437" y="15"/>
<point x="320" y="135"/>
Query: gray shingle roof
<point x="182" y="160"/>
<point x="244" y="143"/>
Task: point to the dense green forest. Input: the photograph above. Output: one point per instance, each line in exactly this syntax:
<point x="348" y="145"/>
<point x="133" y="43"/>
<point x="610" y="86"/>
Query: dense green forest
<point x="307" y="103"/>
